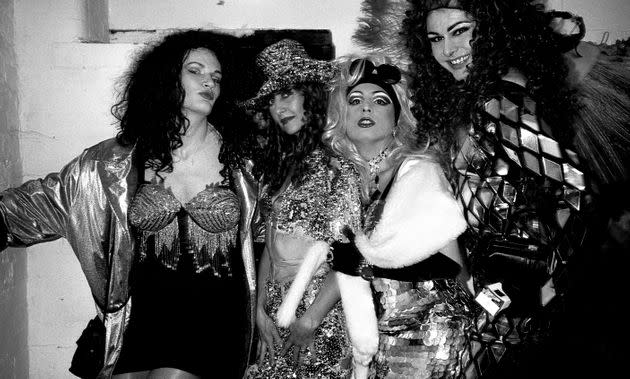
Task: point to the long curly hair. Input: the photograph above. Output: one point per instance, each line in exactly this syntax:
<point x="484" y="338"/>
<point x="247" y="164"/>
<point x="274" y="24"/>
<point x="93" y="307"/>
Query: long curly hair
<point x="406" y="139"/>
<point x="149" y="106"/>
<point x="284" y="154"/>
<point x="513" y="34"/>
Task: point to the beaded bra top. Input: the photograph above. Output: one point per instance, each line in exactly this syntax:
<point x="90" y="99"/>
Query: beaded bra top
<point x="518" y="186"/>
<point x="205" y="227"/>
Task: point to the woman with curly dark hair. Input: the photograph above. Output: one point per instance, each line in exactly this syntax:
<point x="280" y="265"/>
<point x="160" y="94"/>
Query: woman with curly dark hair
<point x="291" y="105"/>
<point x="491" y="42"/>
<point x="496" y="89"/>
<point x="159" y="215"/>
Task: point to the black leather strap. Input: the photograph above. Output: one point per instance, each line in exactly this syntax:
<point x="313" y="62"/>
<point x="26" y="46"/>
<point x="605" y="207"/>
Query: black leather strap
<point x="347" y="259"/>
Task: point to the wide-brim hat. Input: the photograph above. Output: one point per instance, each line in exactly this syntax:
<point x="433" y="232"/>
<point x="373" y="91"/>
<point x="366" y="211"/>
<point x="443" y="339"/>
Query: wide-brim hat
<point x="286" y="63"/>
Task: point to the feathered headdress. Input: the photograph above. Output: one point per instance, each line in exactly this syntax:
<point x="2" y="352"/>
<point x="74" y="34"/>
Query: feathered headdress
<point x="379" y="30"/>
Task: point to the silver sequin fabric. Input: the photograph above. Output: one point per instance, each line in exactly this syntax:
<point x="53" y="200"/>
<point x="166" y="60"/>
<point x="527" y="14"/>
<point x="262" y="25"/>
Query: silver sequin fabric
<point x="423" y="328"/>
<point x="320" y="205"/>
<point x="333" y="356"/>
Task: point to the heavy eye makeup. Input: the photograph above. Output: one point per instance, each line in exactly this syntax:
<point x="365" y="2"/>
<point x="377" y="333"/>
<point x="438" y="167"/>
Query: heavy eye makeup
<point x="381" y="98"/>
<point x="355" y="98"/>
<point x="462" y="30"/>
<point x="193" y="68"/>
<point x="433" y="38"/>
<point x="197" y="69"/>
<point x="455" y="30"/>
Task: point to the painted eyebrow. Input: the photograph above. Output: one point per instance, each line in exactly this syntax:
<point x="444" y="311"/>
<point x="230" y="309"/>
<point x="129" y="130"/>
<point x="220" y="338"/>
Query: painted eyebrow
<point x="380" y="92"/>
<point x="217" y="71"/>
<point x="457" y="24"/>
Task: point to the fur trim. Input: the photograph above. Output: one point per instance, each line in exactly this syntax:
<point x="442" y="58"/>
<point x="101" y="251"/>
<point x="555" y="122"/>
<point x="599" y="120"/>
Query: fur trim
<point x="379" y="30"/>
<point x="358" y="307"/>
<point x="420" y="217"/>
<point x="314" y="257"/>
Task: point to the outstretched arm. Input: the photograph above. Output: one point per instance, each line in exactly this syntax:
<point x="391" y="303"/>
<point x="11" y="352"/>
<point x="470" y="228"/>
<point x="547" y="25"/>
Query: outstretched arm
<point x="38" y="210"/>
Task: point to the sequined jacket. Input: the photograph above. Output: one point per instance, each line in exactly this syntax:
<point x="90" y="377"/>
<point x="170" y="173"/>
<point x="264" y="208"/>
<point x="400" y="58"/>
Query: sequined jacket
<point x="86" y="203"/>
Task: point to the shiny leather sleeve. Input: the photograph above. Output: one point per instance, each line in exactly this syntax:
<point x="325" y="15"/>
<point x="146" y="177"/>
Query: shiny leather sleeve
<point x="38" y="210"/>
<point x="263" y="207"/>
<point x="3" y="232"/>
<point x="247" y="189"/>
<point x="86" y="203"/>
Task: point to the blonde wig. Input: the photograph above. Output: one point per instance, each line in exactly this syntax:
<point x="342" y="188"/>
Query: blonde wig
<point x="406" y="140"/>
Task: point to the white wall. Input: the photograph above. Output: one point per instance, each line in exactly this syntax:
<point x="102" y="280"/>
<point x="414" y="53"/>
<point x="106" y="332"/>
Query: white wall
<point x="65" y="91"/>
<point x="339" y="16"/>
<point x="13" y="311"/>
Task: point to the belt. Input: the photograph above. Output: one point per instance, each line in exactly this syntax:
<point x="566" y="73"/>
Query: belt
<point x="346" y="258"/>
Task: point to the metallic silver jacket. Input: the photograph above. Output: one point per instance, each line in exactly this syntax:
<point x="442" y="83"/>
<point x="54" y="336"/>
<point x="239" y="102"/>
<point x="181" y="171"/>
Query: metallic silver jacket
<point x="86" y="203"/>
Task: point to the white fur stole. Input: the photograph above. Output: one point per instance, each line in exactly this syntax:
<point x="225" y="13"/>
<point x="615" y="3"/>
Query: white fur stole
<point x="420" y="217"/>
<point x="314" y="257"/>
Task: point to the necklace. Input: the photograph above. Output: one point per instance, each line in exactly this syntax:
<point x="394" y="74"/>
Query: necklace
<point x="375" y="167"/>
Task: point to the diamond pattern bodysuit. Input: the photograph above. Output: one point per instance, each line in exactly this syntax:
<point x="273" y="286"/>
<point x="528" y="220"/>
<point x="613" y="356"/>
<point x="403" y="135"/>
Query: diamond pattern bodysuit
<point x="522" y="194"/>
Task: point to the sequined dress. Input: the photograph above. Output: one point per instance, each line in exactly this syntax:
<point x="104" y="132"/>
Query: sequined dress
<point x="188" y="310"/>
<point x="423" y="327"/>
<point x="524" y="197"/>
<point x="301" y="214"/>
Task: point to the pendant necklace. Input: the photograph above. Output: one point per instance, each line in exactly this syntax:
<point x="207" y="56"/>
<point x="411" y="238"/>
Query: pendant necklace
<point x="375" y="168"/>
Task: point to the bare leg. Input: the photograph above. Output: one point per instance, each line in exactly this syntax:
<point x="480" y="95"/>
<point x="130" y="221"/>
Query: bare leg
<point x="159" y="373"/>
<point x="132" y="375"/>
<point x="170" y="373"/>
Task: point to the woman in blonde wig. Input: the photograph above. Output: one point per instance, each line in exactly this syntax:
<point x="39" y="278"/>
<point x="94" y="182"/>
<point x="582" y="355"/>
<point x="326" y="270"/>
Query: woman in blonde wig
<point x="404" y="251"/>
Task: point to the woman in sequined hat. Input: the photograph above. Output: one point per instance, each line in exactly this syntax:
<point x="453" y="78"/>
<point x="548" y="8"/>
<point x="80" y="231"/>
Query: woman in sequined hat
<point x="532" y="124"/>
<point x="159" y="217"/>
<point x="298" y="199"/>
<point x="404" y="252"/>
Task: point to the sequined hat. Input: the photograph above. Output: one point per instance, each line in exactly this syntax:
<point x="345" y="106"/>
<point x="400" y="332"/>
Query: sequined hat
<point x="286" y="63"/>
